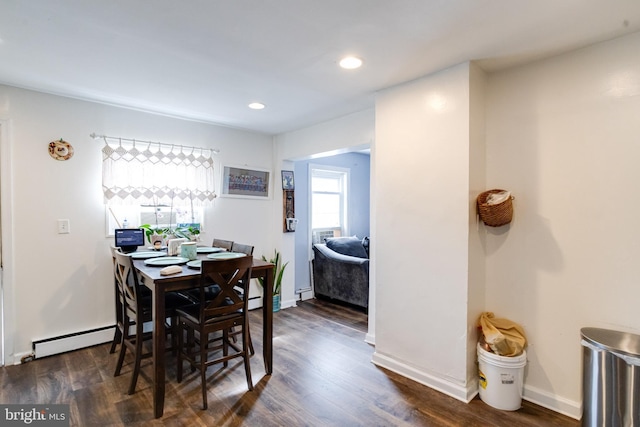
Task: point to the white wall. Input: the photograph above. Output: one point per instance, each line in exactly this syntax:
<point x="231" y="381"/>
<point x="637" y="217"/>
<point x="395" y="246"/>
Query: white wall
<point x="63" y="283"/>
<point x="422" y="229"/>
<point x="562" y="134"/>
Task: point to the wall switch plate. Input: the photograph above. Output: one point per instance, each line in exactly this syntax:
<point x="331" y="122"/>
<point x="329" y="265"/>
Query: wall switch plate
<point x="63" y="226"/>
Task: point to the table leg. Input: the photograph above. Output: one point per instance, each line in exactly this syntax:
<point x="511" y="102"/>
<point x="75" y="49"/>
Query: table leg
<point x="158" y="349"/>
<point x="267" y="314"/>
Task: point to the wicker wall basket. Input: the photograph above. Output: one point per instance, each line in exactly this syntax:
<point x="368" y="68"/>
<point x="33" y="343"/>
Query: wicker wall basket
<point x="495" y="215"/>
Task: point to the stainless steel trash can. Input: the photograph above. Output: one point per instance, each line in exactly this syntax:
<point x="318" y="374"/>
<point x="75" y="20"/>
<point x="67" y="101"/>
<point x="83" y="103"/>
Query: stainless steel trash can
<point x="610" y="378"/>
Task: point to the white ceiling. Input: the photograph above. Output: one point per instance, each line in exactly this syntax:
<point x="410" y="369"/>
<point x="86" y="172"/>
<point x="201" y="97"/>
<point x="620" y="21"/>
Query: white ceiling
<point x="207" y="59"/>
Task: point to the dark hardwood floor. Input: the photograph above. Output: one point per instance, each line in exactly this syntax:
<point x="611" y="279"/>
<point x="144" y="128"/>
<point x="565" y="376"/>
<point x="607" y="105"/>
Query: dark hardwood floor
<point x="323" y="376"/>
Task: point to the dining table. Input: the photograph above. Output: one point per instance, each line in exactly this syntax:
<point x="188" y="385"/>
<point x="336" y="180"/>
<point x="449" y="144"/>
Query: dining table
<point x="189" y="278"/>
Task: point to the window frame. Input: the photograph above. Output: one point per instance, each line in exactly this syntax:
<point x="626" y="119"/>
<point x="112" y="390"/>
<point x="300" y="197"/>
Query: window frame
<point x="344" y="173"/>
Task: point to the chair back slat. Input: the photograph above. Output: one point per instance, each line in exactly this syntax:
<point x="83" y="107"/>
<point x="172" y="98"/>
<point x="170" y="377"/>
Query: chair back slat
<point x="241" y="248"/>
<point x="228" y="275"/>
<point x="224" y="244"/>
<point x="127" y="280"/>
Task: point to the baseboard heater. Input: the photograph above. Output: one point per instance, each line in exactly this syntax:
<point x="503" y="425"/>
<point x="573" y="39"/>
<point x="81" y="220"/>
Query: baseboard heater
<point x="254" y="302"/>
<point x="78" y="340"/>
<point x="70" y="342"/>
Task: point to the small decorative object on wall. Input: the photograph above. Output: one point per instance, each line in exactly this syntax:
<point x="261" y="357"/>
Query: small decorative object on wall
<point x="252" y="183"/>
<point x="289" y="211"/>
<point x="60" y="150"/>
<point x="495" y="207"/>
<point x="287" y="180"/>
<point x="288" y="202"/>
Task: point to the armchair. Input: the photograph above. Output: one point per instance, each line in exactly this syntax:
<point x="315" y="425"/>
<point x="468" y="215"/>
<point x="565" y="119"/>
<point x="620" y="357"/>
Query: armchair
<point x="340" y="276"/>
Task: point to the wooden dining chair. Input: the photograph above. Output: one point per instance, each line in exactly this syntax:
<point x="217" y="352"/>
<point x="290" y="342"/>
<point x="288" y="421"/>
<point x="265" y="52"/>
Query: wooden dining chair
<point x="221" y="314"/>
<point x="212" y="291"/>
<point x="117" y="335"/>
<point x="245" y="249"/>
<point x="136" y="311"/>
<point x="241" y="248"/>
<point x="224" y="244"/>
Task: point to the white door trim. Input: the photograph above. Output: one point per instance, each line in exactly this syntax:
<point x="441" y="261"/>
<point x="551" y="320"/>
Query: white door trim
<point x="7" y="315"/>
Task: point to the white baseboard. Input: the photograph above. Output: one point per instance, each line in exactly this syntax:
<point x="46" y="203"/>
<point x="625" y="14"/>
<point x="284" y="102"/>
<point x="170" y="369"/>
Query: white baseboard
<point x="62" y="344"/>
<point x="306" y="295"/>
<point x="564" y="406"/>
<point x="288" y="303"/>
<point x="534" y="395"/>
<point x="370" y="339"/>
<point x="450" y="389"/>
<point x="17" y="358"/>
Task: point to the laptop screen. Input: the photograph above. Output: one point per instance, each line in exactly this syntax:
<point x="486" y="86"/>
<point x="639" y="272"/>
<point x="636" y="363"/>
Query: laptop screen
<point x="128" y="239"/>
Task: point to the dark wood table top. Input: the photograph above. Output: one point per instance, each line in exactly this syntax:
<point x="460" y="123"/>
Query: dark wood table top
<point x="153" y="272"/>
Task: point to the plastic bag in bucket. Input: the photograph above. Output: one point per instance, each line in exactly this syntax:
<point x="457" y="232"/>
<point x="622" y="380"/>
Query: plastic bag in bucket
<point x="506" y="338"/>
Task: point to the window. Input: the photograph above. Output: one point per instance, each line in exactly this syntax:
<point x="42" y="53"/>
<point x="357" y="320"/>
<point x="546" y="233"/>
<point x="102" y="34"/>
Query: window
<point x="328" y="202"/>
<point x="152" y="183"/>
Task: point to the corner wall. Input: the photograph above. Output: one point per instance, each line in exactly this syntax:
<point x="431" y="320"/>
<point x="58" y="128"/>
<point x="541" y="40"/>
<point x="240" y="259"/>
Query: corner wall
<point x="421" y="252"/>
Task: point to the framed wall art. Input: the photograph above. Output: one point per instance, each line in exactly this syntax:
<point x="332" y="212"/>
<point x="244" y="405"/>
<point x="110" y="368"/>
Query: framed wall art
<point x="245" y="182"/>
<point x="287" y="180"/>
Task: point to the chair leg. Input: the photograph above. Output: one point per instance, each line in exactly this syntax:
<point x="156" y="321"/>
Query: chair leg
<point x="225" y="346"/>
<point x="117" y="338"/>
<point x="138" y="358"/>
<point x="117" y="335"/>
<point x="246" y="341"/>
<point x="191" y="348"/>
<point x="203" y="370"/>
<point x="180" y="350"/>
<point x="123" y="347"/>
<point x="251" y="350"/>
<point x="174" y="331"/>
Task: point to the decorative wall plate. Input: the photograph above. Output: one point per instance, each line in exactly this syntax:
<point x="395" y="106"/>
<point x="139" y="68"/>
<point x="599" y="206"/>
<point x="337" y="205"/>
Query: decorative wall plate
<point x="60" y="150"/>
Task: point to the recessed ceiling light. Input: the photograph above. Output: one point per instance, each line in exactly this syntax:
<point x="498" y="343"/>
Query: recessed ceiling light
<point x="256" y="105"/>
<point x="350" y="62"/>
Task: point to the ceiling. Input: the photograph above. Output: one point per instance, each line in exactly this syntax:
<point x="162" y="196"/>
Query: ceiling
<point x="206" y="60"/>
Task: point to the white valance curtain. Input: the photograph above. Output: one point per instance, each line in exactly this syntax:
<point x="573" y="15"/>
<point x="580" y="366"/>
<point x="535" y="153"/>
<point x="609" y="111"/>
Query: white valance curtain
<point x="142" y="172"/>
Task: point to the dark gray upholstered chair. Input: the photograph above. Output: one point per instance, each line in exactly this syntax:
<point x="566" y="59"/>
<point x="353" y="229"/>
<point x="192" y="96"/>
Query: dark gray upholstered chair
<point x="342" y="276"/>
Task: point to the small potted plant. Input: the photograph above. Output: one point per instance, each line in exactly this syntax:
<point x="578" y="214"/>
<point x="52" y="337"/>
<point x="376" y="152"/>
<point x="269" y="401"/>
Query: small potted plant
<point x="278" y="272"/>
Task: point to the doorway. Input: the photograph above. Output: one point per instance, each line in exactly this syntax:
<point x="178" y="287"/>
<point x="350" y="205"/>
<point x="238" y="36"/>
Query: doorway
<point x="357" y="208"/>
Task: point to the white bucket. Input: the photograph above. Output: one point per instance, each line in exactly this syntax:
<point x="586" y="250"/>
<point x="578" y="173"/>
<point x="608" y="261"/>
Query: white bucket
<point x="501" y="379"/>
